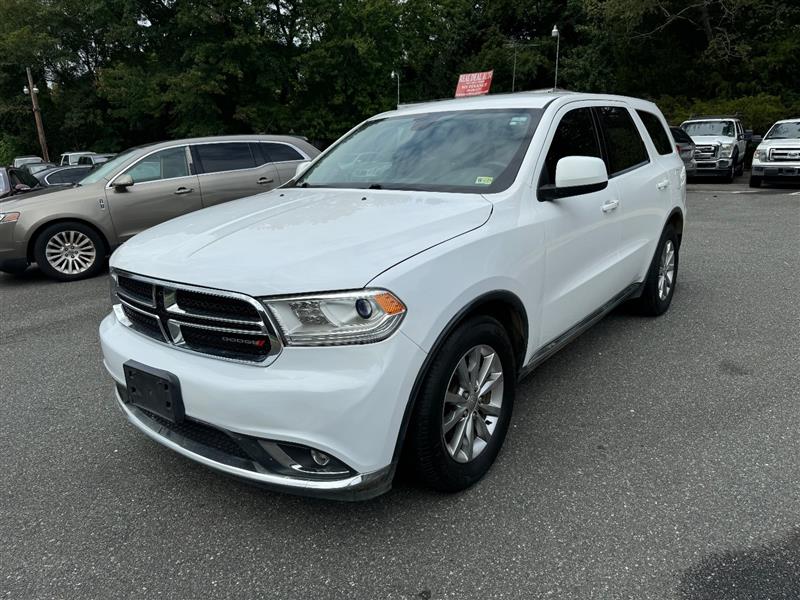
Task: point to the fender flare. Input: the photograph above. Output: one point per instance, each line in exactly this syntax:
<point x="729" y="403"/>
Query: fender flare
<point x="501" y="295"/>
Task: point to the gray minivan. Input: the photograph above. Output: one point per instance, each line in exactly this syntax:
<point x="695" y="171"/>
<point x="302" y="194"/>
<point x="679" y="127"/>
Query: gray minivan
<point x="70" y="233"/>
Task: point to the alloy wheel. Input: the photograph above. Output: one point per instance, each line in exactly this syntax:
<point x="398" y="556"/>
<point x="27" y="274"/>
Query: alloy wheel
<point x="70" y="252"/>
<point x="473" y="403"/>
<point x="666" y="270"/>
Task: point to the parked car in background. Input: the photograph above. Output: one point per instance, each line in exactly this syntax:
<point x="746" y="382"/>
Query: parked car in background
<point x="34" y="168"/>
<point x="63" y="176"/>
<point x="24" y="160"/>
<point x="387" y="300"/>
<point x="686" y="148"/>
<point x="70" y="234"/>
<point x="18" y="182"/>
<point x="72" y="158"/>
<point x="94" y="159"/>
<point x="720" y="145"/>
<point x="777" y="157"/>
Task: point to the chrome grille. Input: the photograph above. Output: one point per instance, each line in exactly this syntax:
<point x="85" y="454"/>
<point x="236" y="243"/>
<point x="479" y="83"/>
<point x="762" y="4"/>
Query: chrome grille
<point x="706" y="151"/>
<point x="217" y="323"/>
<point x="785" y="154"/>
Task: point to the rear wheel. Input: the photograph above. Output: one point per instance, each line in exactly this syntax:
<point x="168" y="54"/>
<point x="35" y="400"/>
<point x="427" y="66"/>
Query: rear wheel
<point x="69" y="251"/>
<point x="659" y="287"/>
<point x="463" y="409"/>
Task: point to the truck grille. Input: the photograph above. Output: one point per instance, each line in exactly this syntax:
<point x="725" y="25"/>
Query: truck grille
<point x="216" y="323"/>
<point x="705" y="152"/>
<point x="790" y="154"/>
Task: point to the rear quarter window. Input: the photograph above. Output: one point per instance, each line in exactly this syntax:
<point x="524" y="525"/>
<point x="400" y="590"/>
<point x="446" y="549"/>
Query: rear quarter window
<point x="656" y="132"/>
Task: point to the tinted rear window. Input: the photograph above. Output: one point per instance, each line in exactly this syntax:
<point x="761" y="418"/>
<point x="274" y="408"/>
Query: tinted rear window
<point x="680" y="135"/>
<point x="624" y="145"/>
<point x="225" y="157"/>
<point x="657" y="132"/>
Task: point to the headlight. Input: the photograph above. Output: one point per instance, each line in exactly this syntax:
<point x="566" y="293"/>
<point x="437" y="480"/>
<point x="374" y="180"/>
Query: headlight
<point x="357" y="317"/>
<point x="761" y="155"/>
<point x="725" y="150"/>
<point x="9" y="217"/>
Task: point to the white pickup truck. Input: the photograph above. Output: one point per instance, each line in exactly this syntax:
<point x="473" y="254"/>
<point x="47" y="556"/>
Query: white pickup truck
<point x="777" y="157"/>
<point x="720" y="144"/>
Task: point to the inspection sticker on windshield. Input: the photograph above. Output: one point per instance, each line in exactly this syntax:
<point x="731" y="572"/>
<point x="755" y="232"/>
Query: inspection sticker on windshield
<point x="484" y="180"/>
<point x="521" y="120"/>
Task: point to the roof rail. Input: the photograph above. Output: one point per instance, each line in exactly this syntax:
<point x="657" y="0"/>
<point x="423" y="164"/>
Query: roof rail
<point x="521" y="92"/>
<point x="735" y="115"/>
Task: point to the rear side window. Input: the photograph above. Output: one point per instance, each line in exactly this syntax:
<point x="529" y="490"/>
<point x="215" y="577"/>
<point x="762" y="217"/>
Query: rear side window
<point x="680" y="135"/>
<point x="280" y="152"/>
<point x="624" y="145"/>
<point x="657" y="132"/>
<point x="225" y="157"/>
<point x="575" y="136"/>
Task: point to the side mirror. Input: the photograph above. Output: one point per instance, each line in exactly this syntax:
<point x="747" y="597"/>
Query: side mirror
<point x="21" y="187"/>
<point x="122" y="183"/>
<point x="301" y="167"/>
<point x="576" y="175"/>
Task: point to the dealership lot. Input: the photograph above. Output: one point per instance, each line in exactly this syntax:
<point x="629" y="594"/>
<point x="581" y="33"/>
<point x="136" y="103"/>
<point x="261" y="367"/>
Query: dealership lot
<point x="649" y="459"/>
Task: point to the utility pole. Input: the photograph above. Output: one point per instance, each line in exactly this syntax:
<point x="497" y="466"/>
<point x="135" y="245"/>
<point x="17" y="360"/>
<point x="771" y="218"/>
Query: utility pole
<point x="37" y="113"/>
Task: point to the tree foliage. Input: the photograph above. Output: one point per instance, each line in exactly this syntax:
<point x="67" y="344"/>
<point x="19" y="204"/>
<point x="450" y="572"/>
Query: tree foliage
<point x="115" y="73"/>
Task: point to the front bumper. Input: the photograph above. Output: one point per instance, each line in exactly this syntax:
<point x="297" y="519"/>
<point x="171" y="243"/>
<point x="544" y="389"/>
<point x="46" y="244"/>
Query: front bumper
<point x="12" y="253"/>
<point x="346" y="401"/>
<point x="718" y="166"/>
<point x="774" y="170"/>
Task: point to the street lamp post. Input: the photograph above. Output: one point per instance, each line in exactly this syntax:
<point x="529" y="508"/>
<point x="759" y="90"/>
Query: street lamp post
<point x="555" y="33"/>
<point x="396" y="75"/>
<point x="37" y="113"/>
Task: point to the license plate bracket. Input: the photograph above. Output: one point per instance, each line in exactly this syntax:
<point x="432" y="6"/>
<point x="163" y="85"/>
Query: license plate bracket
<point x="155" y="390"/>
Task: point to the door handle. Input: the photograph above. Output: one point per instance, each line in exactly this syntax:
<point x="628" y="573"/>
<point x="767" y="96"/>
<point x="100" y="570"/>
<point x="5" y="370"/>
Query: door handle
<point x="610" y="205"/>
<point x="264" y="180"/>
<point x="662" y="185"/>
<point x="183" y="190"/>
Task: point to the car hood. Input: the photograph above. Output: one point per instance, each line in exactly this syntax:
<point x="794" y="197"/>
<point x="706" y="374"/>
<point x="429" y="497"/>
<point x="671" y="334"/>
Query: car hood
<point x="45" y="196"/>
<point x="300" y="240"/>
<point x="779" y="143"/>
<point x="35" y="193"/>
<point x="712" y="139"/>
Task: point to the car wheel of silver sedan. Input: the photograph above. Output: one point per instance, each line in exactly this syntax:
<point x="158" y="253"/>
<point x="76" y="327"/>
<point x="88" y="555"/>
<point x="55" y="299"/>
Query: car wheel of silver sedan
<point x="69" y="251"/>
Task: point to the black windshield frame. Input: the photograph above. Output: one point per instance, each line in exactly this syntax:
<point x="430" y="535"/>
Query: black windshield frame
<point x="499" y="184"/>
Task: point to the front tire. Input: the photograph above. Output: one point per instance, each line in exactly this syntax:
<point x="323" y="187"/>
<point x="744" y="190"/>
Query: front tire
<point x="69" y="251"/>
<point x="464" y="406"/>
<point x="662" y="277"/>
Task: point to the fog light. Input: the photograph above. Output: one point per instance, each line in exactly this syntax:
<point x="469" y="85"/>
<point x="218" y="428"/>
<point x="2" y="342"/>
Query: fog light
<point x="320" y="458"/>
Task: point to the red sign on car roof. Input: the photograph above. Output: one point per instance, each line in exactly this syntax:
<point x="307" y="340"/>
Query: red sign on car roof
<point x="474" y="84"/>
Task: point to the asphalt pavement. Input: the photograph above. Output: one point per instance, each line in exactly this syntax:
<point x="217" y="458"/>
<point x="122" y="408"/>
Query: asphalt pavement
<point x="652" y="458"/>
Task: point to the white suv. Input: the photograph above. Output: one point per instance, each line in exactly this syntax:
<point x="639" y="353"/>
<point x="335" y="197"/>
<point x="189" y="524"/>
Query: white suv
<point x="777" y="157"/>
<point x="386" y="301"/>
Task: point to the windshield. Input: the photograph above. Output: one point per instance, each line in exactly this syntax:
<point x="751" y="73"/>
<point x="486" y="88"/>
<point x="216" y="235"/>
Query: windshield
<point x="107" y="168"/>
<point x="724" y="128"/>
<point x="455" y="151"/>
<point x="784" y="131"/>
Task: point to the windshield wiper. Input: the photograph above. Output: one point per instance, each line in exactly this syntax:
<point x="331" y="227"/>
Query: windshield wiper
<point x="375" y="186"/>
